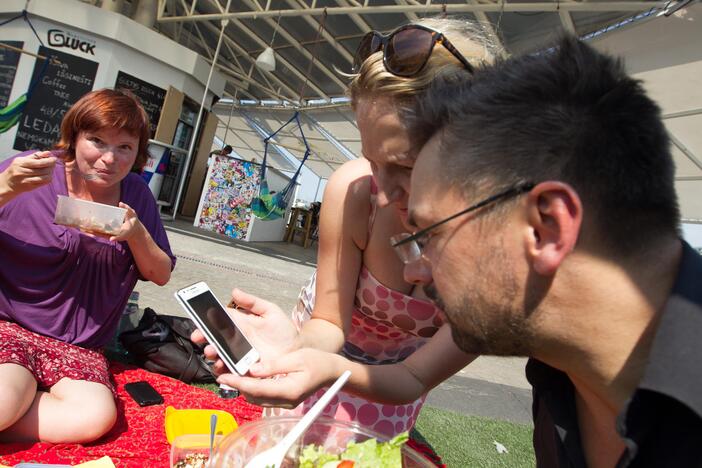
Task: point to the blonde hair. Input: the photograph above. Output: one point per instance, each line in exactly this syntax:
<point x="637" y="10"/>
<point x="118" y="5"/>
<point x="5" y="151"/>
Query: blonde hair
<point x="471" y="39"/>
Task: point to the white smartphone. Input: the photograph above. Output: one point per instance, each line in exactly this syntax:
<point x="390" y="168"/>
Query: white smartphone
<point x="218" y="327"/>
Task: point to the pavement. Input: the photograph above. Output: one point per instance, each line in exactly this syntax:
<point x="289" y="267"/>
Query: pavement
<point x="490" y="386"/>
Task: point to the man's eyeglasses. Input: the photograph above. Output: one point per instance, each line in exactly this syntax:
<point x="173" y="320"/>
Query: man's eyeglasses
<point x="406" y="50"/>
<point x="409" y="246"/>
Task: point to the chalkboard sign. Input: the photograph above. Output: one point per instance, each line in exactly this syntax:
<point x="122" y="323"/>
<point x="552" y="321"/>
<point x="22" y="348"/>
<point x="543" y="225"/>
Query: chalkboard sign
<point x="151" y="96"/>
<point x="8" y="67"/>
<point x="61" y="85"/>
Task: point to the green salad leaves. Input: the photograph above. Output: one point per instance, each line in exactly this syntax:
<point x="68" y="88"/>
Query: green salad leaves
<point x="366" y="454"/>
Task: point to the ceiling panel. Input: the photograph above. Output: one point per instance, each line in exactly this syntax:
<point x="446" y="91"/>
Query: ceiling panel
<point x="524" y="30"/>
<point x="684" y="167"/>
<point x="689" y="199"/>
<point x="687" y="132"/>
<point x="676" y="88"/>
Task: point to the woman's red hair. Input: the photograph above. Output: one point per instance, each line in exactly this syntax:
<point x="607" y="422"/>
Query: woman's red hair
<point x="105" y="108"/>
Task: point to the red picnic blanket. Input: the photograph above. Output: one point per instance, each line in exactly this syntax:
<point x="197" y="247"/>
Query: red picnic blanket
<point x="138" y="438"/>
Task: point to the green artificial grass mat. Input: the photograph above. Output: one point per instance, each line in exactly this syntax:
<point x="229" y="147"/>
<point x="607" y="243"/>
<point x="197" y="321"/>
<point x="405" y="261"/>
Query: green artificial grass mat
<point x="213" y="387"/>
<point x="468" y="441"/>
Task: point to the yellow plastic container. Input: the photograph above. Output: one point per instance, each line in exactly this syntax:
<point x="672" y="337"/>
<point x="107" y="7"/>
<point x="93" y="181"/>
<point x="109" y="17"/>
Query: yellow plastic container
<point x="196" y="421"/>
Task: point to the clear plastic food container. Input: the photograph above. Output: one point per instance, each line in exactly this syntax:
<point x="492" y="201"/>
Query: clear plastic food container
<point x="89" y="216"/>
<point x="239" y="447"/>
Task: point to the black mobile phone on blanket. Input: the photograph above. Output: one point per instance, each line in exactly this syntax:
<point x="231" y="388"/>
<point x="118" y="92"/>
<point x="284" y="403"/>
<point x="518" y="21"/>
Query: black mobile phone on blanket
<point x="143" y="393"/>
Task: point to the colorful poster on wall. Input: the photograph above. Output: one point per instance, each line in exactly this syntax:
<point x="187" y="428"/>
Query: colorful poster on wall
<point x="230" y="186"/>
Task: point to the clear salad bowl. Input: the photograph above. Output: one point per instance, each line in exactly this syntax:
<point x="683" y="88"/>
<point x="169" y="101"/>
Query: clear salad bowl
<point x="333" y="436"/>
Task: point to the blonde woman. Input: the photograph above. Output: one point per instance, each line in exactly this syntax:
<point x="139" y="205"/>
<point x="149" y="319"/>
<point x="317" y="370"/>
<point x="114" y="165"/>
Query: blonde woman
<point x="358" y="308"/>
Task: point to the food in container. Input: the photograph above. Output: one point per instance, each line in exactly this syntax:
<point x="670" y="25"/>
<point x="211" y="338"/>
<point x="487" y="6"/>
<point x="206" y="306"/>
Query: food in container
<point x="192" y="460"/>
<point x="192" y="450"/>
<point x="89" y="216"/>
<point x="371" y="452"/>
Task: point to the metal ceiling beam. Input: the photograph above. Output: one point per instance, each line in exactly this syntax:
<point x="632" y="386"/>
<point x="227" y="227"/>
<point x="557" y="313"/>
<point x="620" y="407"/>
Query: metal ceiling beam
<point x="614" y="6"/>
<point x="324" y="33"/>
<point x="267" y="76"/>
<point x="239" y="66"/>
<point x="296" y="44"/>
<point x="237" y="74"/>
<point x="260" y="41"/>
<point x="251" y="82"/>
<point x="204" y="42"/>
<point x="200" y="46"/>
<point x="360" y="22"/>
<point x="239" y="77"/>
<point x="161" y="8"/>
<point x="227" y="95"/>
<point x="245" y="53"/>
<point x="410" y="16"/>
<point x="241" y="86"/>
<point x="307" y="108"/>
<point x="567" y="21"/>
<point x="487" y="24"/>
<point x="192" y="6"/>
<point x="280" y="59"/>
<point x="685" y="113"/>
<point x="690" y="155"/>
<point x="240" y="80"/>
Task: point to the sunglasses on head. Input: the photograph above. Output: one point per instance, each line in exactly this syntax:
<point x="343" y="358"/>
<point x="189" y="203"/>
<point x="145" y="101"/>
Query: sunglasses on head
<point x="406" y="50"/>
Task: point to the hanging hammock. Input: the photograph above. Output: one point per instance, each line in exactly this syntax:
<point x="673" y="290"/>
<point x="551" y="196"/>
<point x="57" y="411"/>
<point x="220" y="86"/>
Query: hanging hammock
<point x="10" y="114"/>
<point x="267" y="206"/>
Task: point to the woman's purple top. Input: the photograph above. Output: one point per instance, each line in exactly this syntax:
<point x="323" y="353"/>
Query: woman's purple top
<point x="56" y="280"/>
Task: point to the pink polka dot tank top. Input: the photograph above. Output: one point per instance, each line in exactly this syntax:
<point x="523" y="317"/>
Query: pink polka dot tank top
<point x="387" y="326"/>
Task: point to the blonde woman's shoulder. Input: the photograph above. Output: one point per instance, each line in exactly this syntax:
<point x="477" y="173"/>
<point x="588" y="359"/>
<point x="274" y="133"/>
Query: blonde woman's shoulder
<point x="351" y="179"/>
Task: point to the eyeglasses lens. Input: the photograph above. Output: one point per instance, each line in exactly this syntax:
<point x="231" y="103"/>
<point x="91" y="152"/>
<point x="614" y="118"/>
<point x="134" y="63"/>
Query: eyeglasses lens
<point x="408" y="50"/>
<point x="408" y="252"/>
<point x="369" y="45"/>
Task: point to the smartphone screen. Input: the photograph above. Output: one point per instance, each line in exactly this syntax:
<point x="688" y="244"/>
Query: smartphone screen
<point x="219" y="324"/>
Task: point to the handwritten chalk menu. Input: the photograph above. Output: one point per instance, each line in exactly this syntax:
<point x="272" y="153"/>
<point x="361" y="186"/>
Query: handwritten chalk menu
<point x="8" y="67"/>
<point x="61" y="85"/>
<point x="151" y="96"/>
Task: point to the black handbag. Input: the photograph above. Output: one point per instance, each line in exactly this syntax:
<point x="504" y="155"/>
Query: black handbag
<point x="161" y="344"/>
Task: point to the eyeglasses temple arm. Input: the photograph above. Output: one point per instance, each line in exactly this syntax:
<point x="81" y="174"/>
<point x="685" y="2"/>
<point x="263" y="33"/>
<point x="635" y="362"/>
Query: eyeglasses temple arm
<point x="521" y="188"/>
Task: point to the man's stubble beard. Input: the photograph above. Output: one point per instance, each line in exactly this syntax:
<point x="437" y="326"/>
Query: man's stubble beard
<point x="485" y="320"/>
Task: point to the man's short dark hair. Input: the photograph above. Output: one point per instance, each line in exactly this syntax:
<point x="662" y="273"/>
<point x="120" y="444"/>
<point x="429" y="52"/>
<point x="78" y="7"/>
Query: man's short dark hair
<point x="568" y="113"/>
<point x="227" y="149"/>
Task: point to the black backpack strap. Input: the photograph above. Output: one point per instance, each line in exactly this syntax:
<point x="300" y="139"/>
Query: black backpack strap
<point x="193" y="365"/>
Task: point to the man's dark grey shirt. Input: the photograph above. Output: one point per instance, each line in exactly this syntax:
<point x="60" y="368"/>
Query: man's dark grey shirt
<point x="661" y="424"/>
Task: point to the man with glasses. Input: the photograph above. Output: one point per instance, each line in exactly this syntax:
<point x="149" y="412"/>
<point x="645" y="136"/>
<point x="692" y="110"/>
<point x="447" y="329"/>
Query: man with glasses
<point x="547" y="226"/>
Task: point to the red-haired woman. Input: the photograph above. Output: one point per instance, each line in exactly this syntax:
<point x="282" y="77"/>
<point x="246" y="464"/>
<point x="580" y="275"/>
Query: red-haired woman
<point x="63" y="290"/>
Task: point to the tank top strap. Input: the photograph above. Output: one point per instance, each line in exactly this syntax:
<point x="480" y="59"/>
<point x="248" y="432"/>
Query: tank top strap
<point x="373" y="205"/>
